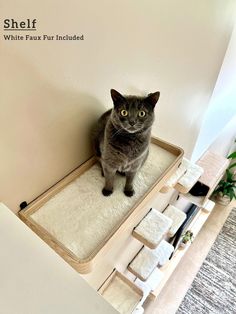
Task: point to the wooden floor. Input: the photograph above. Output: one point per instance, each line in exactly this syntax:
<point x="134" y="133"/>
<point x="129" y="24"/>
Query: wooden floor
<point x="177" y="286"/>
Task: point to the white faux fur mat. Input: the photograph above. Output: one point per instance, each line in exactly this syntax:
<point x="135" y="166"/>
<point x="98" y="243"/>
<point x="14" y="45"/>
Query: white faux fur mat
<point x="81" y="218"/>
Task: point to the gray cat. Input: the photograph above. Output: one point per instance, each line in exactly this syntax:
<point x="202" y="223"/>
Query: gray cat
<point x="121" y="138"/>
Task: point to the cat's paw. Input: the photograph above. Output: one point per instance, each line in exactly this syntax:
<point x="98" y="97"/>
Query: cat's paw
<point x="106" y="192"/>
<point x="129" y="193"/>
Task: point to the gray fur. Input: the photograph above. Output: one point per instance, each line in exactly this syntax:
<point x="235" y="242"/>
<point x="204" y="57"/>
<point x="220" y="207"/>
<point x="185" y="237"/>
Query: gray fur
<point x="122" y="143"/>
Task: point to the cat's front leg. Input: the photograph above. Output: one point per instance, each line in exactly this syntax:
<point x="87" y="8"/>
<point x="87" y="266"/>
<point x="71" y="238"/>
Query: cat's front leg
<point x="109" y="174"/>
<point x="129" y="189"/>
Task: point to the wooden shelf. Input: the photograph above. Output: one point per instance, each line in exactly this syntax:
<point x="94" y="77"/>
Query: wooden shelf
<point x="214" y="168"/>
<point x="169" y="268"/>
<point x="69" y="247"/>
<point x="116" y="289"/>
<point x="184" y="178"/>
<point x="118" y="245"/>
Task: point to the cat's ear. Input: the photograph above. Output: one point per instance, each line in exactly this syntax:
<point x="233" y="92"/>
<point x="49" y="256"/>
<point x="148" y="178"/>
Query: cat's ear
<point x="152" y="98"/>
<point x="116" y="97"/>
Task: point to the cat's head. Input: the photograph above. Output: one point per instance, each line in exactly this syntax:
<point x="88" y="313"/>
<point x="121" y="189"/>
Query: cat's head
<point x="133" y="113"/>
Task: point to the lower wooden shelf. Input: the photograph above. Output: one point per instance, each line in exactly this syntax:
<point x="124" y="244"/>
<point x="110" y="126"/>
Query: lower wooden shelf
<point x="121" y="293"/>
<point x="169" y="268"/>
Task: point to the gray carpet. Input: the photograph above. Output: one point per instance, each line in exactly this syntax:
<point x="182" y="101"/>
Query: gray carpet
<point x="214" y="288"/>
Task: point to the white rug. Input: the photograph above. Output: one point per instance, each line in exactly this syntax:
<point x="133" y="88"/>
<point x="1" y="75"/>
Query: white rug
<point x="81" y="218"/>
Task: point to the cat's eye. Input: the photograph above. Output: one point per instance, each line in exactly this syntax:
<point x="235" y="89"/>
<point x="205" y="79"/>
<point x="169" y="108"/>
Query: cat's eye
<point x="124" y="113"/>
<point x="142" y="113"/>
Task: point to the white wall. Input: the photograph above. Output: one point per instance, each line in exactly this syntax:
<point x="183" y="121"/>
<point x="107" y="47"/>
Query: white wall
<point x="51" y="92"/>
<point x="222" y="106"/>
<point x="224" y="142"/>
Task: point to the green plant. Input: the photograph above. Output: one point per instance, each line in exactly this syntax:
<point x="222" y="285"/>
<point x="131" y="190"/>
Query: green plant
<point x="187" y="236"/>
<point x="232" y="156"/>
<point x="227" y="186"/>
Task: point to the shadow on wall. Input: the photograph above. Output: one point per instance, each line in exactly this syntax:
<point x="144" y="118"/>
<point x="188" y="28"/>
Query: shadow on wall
<point x="45" y="132"/>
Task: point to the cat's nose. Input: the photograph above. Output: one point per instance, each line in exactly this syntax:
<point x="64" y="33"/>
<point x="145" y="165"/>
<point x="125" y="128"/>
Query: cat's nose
<point x="132" y="123"/>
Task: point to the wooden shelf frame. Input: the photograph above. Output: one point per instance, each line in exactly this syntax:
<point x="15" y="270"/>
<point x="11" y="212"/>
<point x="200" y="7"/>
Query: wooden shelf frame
<point x="84" y="266"/>
<point x="169" y="268"/>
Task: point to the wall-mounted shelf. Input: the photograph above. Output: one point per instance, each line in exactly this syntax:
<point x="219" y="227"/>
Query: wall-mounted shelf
<point x="80" y="224"/>
<point x="121" y="293"/>
<point x="152" y="228"/>
<point x="170" y="266"/>
<point x="55" y="214"/>
<point x="144" y="263"/>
